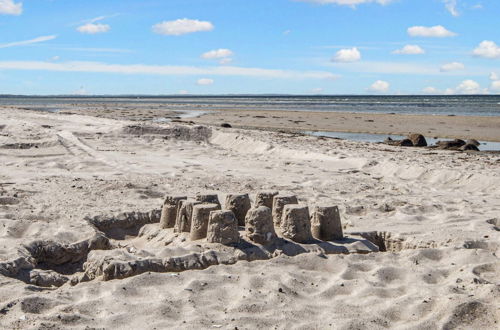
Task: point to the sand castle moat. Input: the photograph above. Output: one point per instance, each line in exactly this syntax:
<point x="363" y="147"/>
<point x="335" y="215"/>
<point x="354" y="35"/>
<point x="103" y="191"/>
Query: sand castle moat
<point x="188" y="233"/>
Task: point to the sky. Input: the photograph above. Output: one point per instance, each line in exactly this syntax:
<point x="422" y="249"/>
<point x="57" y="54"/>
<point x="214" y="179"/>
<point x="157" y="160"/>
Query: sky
<point x="330" y="47"/>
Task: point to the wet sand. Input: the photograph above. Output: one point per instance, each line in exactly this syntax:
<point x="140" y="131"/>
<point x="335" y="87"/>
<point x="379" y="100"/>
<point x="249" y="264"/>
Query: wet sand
<point x="461" y="127"/>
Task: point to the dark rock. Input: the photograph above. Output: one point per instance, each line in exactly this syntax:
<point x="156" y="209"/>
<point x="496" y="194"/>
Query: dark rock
<point x="469" y="147"/>
<point x="405" y="143"/>
<point x="451" y="145"/>
<point x="226" y="125"/>
<point x="473" y="142"/>
<point x="418" y="140"/>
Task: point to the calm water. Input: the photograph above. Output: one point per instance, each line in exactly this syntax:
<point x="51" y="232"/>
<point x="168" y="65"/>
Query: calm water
<point x="487" y="105"/>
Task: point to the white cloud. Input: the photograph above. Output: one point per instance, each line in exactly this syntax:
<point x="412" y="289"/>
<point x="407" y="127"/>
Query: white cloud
<point x="205" y="82"/>
<point x="94" y="28"/>
<point x="495" y="86"/>
<point x="183" y="92"/>
<point x="163" y="69"/>
<point x="469" y="87"/>
<point x="487" y="49"/>
<point x="55" y="58"/>
<point x="225" y="61"/>
<point x="9" y="7"/>
<point x="182" y="26"/>
<point x="410" y="50"/>
<point x="351" y="3"/>
<point x="430" y="90"/>
<point x="451" y="6"/>
<point x="317" y="90"/>
<point x="494" y="76"/>
<point x="437" y="31"/>
<point x="222" y="54"/>
<point x="217" y="53"/>
<point x="287" y="32"/>
<point x="27" y="42"/>
<point x="379" y="86"/>
<point x="453" y="66"/>
<point x="347" y="55"/>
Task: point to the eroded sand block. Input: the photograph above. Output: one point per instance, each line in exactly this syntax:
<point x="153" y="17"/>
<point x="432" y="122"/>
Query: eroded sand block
<point x="208" y="199"/>
<point x="184" y="215"/>
<point x="295" y="224"/>
<point x="222" y="228"/>
<point x="279" y="202"/>
<point x="265" y="198"/>
<point x="239" y="205"/>
<point x="325" y="223"/>
<point x="199" y="220"/>
<point x="169" y="211"/>
<point x="259" y="225"/>
<point x="168" y="216"/>
<point x="173" y="200"/>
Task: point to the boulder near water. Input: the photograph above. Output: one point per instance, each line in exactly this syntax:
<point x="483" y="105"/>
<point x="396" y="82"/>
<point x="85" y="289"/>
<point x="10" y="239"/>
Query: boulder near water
<point x="418" y="140"/>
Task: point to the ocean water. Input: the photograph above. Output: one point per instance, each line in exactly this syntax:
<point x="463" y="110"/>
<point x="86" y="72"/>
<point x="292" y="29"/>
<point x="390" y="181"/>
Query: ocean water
<point x="476" y="105"/>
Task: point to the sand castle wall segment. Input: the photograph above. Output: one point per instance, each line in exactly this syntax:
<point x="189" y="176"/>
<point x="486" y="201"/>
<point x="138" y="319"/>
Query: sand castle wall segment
<point x="295" y="224"/>
<point x="169" y="211"/>
<point x="265" y="198"/>
<point x="279" y="202"/>
<point x="184" y="216"/>
<point x="199" y="222"/>
<point x="259" y="225"/>
<point x="223" y="228"/>
<point x="239" y="204"/>
<point x="326" y="224"/>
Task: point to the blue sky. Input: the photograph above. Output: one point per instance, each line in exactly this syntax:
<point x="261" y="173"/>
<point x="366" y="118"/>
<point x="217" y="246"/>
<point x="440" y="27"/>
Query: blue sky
<point x="248" y="47"/>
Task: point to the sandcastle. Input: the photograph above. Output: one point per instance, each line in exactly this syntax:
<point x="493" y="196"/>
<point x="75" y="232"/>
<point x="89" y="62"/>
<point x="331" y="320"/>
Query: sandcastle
<point x="203" y="218"/>
<point x="207" y="233"/>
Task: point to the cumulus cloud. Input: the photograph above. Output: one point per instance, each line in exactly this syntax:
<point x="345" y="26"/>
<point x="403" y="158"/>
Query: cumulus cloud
<point x="93" y="28"/>
<point x="205" y="82"/>
<point x="222" y="54"/>
<point x="166" y="70"/>
<point x="9" y="7"/>
<point x="28" y="42"/>
<point x="487" y="49"/>
<point x="430" y="90"/>
<point x="182" y="26"/>
<point x="351" y="3"/>
<point x="379" y="86"/>
<point x="469" y="87"/>
<point x="410" y="50"/>
<point x="451" y="6"/>
<point x="495" y="86"/>
<point x="494" y="76"/>
<point x="347" y="55"/>
<point x="453" y="66"/>
<point x="437" y="31"/>
<point x="217" y="53"/>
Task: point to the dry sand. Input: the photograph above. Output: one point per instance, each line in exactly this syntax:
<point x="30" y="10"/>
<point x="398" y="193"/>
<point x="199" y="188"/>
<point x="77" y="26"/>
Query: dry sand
<point x="436" y="212"/>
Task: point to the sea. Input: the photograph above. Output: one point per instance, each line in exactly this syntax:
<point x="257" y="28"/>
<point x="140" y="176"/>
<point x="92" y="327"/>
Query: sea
<point x="456" y="105"/>
<point x="462" y="105"/>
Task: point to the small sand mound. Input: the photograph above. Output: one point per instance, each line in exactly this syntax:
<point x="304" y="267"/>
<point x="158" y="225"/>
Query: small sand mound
<point x="177" y="132"/>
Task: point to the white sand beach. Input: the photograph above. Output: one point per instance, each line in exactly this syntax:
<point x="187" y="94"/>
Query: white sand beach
<point x="433" y="213"/>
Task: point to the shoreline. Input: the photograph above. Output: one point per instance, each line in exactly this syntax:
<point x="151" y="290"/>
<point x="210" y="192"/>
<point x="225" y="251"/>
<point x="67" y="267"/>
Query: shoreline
<point x="482" y="128"/>
<point x="452" y="127"/>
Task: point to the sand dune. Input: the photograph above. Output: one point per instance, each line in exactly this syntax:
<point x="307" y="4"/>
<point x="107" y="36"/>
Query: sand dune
<point x="432" y="213"/>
